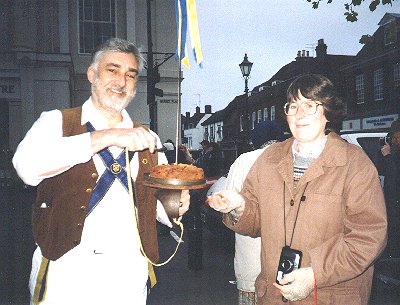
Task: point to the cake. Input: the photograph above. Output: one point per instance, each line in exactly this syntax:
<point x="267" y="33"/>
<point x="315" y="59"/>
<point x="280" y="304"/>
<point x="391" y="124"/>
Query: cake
<point x="177" y="171"/>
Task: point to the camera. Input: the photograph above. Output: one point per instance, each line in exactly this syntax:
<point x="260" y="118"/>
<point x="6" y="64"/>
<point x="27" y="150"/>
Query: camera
<point x="290" y="260"/>
<point x="385" y="140"/>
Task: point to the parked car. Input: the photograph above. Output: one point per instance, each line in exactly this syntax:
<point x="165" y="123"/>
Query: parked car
<point x="371" y="142"/>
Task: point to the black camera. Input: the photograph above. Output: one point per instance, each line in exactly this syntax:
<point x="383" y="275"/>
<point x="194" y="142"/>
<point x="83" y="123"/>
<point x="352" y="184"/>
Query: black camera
<point x="385" y="140"/>
<point x="290" y="260"/>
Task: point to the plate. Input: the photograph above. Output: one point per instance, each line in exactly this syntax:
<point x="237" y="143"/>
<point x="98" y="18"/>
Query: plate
<point x="174" y="184"/>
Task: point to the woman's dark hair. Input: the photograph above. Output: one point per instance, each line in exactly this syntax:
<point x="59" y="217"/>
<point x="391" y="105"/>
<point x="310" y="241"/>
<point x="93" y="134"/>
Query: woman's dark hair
<point x="318" y="88"/>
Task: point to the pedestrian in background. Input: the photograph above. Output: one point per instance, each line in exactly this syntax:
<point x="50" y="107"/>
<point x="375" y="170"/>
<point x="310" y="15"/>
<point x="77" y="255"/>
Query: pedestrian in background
<point x="209" y="159"/>
<point x="248" y="249"/>
<point x="89" y="240"/>
<point x="391" y="171"/>
<point x="317" y="204"/>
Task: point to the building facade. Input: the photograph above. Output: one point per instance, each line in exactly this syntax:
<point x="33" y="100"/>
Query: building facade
<point x="193" y="131"/>
<point x="372" y="81"/>
<point x="46" y="49"/>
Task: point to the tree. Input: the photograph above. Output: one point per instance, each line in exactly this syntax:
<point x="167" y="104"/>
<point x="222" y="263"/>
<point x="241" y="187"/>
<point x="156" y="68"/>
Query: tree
<point x="350" y="13"/>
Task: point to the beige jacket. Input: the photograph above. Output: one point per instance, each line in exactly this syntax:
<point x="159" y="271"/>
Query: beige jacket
<point x="341" y="225"/>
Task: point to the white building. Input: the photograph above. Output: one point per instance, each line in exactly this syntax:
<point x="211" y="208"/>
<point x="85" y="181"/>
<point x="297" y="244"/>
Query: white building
<point x="194" y="132"/>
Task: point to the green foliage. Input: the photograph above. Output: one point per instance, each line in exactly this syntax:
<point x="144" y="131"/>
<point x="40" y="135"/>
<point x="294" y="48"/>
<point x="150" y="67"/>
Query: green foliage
<point x="366" y="39"/>
<point x="350" y="14"/>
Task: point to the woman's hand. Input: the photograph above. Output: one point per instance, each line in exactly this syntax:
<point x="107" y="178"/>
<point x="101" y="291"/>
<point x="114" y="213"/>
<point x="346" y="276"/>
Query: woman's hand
<point x="297" y="285"/>
<point x="226" y="201"/>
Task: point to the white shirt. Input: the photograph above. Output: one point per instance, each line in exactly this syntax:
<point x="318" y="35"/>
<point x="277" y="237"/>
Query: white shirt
<point x="107" y="266"/>
<point x="247" y="249"/>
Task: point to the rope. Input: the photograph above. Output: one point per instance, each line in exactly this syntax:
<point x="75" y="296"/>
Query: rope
<point x="176" y="221"/>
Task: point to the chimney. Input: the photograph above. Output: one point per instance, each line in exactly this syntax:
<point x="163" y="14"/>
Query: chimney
<point x="303" y="53"/>
<point x="298" y="53"/>
<point x="207" y="109"/>
<point x="187" y="114"/>
<point x="197" y="109"/>
<point x="321" y="48"/>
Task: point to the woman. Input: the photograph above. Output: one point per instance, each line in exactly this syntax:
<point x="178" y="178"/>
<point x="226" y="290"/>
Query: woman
<point x="312" y="196"/>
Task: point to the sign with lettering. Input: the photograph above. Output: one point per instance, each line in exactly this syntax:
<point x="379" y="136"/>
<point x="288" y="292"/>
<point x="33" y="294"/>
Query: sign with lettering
<point x="10" y="88"/>
<point x="383" y="121"/>
<point x="169" y="101"/>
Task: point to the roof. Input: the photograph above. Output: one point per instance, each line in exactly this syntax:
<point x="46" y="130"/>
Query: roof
<point x="388" y="17"/>
<point x="216" y="117"/>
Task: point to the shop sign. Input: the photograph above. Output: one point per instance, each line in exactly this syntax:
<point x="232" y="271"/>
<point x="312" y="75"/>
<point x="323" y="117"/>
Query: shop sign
<point x="10" y="88"/>
<point x="379" y="122"/>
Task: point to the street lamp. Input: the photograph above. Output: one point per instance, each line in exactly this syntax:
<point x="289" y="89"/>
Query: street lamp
<point x="245" y="67"/>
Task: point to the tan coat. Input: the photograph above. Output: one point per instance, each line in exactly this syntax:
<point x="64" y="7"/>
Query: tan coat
<point x="341" y="225"/>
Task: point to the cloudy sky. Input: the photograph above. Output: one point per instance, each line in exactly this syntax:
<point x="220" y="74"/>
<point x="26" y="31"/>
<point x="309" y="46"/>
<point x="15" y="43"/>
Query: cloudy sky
<point x="270" y="32"/>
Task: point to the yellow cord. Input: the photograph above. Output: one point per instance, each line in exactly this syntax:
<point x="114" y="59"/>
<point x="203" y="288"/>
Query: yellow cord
<point x="176" y="221"/>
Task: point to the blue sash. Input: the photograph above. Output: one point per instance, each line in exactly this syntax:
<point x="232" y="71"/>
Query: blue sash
<point x="115" y="169"/>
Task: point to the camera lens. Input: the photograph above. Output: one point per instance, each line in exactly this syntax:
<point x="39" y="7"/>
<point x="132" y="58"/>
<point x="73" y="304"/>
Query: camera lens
<point x="287" y="265"/>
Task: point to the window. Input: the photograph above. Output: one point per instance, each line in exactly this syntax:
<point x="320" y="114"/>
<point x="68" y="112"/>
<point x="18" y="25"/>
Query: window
<point x="96" y="23"/>
<point x="212" y="137"/>
<point x="378" y="84"/>
<point x="265" y="114"/>
<point x="360" y="89"/>
<point x="396" y="72"/>
<point x="259" y="117"/>
<point x="241" y="123"/>
<point x="219" y="133"/>
<point x="272" y="113"/>
<point x="253" y="119"/>
<point x="390" y="33"/>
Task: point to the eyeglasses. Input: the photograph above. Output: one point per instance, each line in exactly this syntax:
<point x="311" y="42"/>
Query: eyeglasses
<point x="308" y="108"/>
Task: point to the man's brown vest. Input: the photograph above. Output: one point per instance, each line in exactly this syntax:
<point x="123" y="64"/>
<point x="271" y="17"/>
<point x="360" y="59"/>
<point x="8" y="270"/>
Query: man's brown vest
<point x="62" y="201"/>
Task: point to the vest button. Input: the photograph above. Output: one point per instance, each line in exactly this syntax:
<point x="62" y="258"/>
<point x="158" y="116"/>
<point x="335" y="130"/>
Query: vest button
<point x="76" y="242"/>
<point x="94" y="175"/>
<point x="79" y="225"/>
<point x="88" y="190"/>
<point x="83" y="208"/>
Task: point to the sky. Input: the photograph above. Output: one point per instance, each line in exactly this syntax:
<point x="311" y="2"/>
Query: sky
<point x="270" y="32"/>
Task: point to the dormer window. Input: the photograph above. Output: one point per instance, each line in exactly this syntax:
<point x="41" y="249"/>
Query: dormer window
<point x="390" y="33"/>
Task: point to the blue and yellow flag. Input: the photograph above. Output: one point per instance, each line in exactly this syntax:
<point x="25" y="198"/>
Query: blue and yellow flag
<point x="186" y="16"/>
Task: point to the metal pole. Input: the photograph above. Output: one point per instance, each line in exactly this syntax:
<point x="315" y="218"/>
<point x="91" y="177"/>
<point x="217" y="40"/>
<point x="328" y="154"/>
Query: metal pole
<point x="150" y="72"/>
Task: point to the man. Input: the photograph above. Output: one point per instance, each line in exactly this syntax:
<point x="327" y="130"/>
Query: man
<point x="208" y="159"/>
<point x="391" y="171"/>
<point x="93" y="238"/>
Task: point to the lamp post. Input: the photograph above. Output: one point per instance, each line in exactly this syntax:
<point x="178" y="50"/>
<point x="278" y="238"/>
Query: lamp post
<point x="245" y="67"/>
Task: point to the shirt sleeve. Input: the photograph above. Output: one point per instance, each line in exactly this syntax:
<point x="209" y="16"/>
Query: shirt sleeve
<point x="45" y="153"/>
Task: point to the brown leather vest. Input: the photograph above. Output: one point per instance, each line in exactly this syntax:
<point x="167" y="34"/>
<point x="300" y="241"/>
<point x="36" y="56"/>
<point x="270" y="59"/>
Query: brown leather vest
<point x="58" y="228"/>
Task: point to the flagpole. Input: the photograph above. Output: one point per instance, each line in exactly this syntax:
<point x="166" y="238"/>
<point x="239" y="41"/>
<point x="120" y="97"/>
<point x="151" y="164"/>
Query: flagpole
<point x="178" y="111"/>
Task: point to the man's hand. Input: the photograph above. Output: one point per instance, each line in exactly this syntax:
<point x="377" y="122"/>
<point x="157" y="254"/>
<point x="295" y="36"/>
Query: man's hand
<point x="135" y="139"/>
<point x="184" y="202"/>
<point x="386" y="150"/>
<point x="226" y="201"/>
<point x="297" y="285"/>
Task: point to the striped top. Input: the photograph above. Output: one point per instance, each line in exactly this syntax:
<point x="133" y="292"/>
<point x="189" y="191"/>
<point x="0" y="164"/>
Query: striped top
<point x="302" y="162"/>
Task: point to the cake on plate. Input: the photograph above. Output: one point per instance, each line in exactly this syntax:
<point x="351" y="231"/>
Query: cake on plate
<point x="177" y="171"/>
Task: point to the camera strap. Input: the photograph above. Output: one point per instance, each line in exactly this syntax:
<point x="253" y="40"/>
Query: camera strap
<point x="302" y="198"/>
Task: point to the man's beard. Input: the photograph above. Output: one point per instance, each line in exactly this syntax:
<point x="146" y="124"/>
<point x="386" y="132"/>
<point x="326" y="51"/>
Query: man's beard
<point x="116" y="104"/>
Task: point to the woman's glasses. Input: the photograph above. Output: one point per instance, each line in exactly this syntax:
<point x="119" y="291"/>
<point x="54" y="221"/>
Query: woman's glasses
<point x="308" y="108"/>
